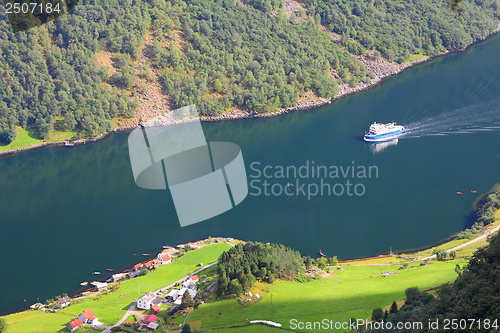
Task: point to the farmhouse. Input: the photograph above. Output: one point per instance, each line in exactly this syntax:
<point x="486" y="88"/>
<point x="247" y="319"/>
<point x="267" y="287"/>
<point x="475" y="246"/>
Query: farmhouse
<point x="150" y="264"/>
<point x="74" y="324"/>
<point x="148" y="300"/>
<point x="190" y="283"/>
<point x="87" y="316"/>
<point x="150" y="319"/>
<point x="164" y="258"/>
<point x="63" y="301"/>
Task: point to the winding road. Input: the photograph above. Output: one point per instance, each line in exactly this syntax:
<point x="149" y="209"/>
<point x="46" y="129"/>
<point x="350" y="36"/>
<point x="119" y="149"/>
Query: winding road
<point x="468" y="243"/>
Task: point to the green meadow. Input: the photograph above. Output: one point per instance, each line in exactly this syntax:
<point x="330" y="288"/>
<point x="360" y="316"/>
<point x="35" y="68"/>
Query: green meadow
<point x="29" y="137"/>
<point x="39" y="321"/>
<point x="353" y="294"/>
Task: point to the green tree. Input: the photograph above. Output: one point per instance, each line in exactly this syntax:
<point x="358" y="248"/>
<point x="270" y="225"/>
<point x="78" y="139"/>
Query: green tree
<point x="440" y="254"/>
<point x="186" y="300"/>
<point x="186" y="329"/>
<point x="235" y="287"/>
<point x="218" y="86"/>
<point x="308" y="262"/>
<point x="377" y="314"/>
<point x="333" y="261"/>
<point x="262" y="273"/>
<point x="394" y="307"/>
<point x="3" y="325"/>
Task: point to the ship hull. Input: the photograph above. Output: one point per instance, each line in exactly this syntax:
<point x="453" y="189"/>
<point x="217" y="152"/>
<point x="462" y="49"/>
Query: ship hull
<point x="384" y="137"/>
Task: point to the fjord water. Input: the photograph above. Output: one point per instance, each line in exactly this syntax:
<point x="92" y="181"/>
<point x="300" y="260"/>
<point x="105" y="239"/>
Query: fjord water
<point x="66" y="212"/>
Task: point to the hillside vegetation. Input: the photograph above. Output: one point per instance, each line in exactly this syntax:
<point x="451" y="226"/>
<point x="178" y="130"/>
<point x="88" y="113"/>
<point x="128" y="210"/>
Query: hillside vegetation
<point x="83" y="71"/>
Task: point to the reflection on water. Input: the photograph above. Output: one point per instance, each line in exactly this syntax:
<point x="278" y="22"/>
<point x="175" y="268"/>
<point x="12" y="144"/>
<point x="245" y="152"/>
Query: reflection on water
<point x="378" y="147"/>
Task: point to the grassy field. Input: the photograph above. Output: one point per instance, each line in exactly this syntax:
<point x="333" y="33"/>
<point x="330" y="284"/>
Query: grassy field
<point x="39" y="321"/>
<point x="415" y="57"/>
<point x="29" y="137"/>
<point x="355" y="293"/>
<point x="111" y="307"/>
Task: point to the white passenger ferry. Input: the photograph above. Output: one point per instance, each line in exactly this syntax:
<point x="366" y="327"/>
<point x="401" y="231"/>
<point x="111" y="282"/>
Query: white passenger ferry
<point x="384" y="132"/>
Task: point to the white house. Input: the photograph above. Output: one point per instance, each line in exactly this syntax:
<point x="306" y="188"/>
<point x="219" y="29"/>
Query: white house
<point x="146" y="301"/>
<point x="164" y="258"/>
<point x="176" y="294"/>
<point x="178" y="301"/>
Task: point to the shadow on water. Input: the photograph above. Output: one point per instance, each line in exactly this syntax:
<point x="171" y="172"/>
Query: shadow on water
<point x="469" y="219"/>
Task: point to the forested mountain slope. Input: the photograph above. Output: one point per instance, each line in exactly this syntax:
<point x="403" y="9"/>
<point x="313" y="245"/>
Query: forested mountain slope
<point x="252" y="55"/>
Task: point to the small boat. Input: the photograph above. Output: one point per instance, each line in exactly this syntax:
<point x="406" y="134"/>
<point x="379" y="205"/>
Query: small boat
<point x="473" y="191"/>
<point x="96" y="273"/>
<point x="383" y="132"/>
<point x="69" y="144"/>
<point x="84" y="283"/>
<point x="322" y="254"/>
<point x="110" y="269"/>
<point x="459" y="193"/>
<point x="146" y="254"/>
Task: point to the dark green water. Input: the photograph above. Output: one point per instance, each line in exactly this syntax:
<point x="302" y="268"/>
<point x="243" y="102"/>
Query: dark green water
<point x="68" y="212"/>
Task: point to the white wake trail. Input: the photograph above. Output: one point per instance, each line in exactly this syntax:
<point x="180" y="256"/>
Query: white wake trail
<point x="474" y="118"/>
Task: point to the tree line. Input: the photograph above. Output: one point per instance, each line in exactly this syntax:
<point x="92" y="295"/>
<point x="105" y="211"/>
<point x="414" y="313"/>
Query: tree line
<point x="397" y="29"/>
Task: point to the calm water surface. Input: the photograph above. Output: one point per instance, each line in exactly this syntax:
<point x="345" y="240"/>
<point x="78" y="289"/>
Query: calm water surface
<point x="68" y="212"/>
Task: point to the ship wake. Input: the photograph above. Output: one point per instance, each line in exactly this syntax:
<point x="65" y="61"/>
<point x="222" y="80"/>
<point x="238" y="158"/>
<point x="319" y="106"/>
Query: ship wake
<point x="474" y="118"/>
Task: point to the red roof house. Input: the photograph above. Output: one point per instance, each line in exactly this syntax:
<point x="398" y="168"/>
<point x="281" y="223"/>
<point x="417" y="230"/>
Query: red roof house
<point x="155" y="309"/>
<point x="194" y="278"/>
<point x="149" y="264"/>
<point x="87" y="316"/>
<point x="74" y="324"/>
<point x="164" y="258"/>
<point x="137" y="267"/>
<point x="150" y="319"/>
